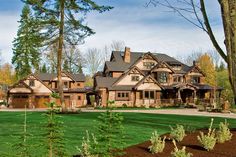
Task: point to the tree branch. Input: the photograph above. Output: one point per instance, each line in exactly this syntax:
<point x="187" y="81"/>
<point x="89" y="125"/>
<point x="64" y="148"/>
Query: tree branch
<point x="210" y="33"/>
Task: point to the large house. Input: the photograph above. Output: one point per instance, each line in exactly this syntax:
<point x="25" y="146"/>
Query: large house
<point x="34" y="91"/>
<point x="137" y="78"/>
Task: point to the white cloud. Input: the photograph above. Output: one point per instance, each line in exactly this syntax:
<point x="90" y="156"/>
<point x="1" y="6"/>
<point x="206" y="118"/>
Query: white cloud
<point x="8" y="30"/>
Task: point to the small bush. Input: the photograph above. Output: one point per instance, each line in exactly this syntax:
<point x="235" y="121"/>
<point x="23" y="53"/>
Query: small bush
<point x="157" y="144"/>
<point x="88" y="148"/>
<point x="178" y="133"/>
<point x="208" y="141"/>
<point x="124" y="105"/>
<point x="223" y="134"/>
<point x="180" y="152"/>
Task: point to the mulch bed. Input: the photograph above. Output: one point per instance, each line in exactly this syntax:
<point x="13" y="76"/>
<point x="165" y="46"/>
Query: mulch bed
<point x="227" y="149"/>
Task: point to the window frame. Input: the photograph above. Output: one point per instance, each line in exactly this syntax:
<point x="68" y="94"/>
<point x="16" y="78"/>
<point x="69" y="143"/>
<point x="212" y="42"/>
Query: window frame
<point x="135" y="78"/>
<point x="163" y="77"/>
<point x="122" y="95"/>
<point x="32" y="83"/>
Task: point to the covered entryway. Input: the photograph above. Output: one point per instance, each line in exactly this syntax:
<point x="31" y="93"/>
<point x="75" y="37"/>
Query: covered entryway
<point x="187" y="95"/>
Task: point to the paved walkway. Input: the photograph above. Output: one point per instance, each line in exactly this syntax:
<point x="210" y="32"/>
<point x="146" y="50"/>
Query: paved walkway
<point x="191" y="112"/>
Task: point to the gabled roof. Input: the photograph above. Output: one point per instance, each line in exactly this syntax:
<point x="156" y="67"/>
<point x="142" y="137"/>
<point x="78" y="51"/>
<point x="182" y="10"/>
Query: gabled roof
<point x="104" y="82"/>
<point x="128" y="72"/>
<point x="145" y="78"/>
<point x="21" y="83"/>
<point x="160" y="64"/>
<point x="197" y="68"/>
<point x="51" y="76"/>
<point x="121" y="66"/>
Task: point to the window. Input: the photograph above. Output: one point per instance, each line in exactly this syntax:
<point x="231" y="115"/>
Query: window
<point x="79" y="97"/>
<point x="134" y="78"/>
<point x="147" y="95"/>
<point x="178" y="79"/>
<point x="195" y="79"/>
<point x="148" y="65"/>
<point x="65" y="84"/>
<point x="163" y="77"/>
<point x="78" y="84"/>
<point x="31" y="83"/>
<point x="55" y="84"/>
<point x="122" y="96"/>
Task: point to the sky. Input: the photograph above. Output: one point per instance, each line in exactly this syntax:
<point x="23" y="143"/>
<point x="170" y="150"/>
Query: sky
<point x="153" y="29"/>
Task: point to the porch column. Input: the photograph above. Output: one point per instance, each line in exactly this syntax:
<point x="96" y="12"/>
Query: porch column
<point x="31" y="101"/>
<point x="194" y="96"/>
<point x="179" y="96"/>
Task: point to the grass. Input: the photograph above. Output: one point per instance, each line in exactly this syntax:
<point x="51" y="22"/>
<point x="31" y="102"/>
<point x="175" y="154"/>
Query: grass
<point x="138" y="127"/>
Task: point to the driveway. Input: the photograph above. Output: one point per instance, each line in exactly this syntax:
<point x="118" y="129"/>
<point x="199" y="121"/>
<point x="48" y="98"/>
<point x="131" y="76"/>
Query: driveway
<point x="189" y="112"/>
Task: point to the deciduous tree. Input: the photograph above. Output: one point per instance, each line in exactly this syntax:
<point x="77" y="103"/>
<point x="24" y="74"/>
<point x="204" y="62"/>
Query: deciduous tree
<point x="196" y="8"/>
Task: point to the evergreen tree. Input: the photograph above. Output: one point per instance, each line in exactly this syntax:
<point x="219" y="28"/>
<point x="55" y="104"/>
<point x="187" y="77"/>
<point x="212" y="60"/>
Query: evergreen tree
<point x="110" y="133"/>
<point x="26" y="56"/>
<point x="62" y="20"/>
<point x="55" y="141"/>
<point x="66" y="66"/>
<point x="44" y="68"/>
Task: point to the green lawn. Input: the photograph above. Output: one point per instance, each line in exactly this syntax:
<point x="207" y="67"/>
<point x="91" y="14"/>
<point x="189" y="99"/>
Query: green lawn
<point x="138" y="127"/>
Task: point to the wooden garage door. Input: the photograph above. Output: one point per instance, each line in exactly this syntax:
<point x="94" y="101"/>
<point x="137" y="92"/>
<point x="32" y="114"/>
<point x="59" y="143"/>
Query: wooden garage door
<point x="19" y="101"/>
<point x="67" y="101"/>
<point x="40" y="101"/>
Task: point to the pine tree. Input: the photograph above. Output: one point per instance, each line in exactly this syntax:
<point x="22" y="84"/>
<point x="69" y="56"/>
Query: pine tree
<point x="44" y="68"/>
<point x="26" y="56"/>
<point x="110" y="133"/>
<point x="62" y="20"/>
<point x="55" y="141"/>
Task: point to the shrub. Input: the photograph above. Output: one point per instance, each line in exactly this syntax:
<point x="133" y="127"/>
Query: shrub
<point x="124" y="105"/>
<point x="157" y="144"/>
<point x="223" y="134"/>
<point x="178" y="133"/>
<point x="180" y="152"/>
<point x="208" y="141"/>
<point x="88" y="147"/>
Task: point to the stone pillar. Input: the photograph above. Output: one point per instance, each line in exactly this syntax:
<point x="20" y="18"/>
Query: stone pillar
<point x="194" y="96"/>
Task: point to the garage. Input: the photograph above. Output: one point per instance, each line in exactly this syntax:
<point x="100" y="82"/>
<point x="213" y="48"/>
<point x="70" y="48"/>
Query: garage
<point x="20" y="101"/>
<point x="41" y="100"/>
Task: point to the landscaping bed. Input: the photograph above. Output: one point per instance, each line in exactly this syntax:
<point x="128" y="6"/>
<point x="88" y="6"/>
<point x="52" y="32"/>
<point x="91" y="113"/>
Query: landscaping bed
<point x="193" y="146"/>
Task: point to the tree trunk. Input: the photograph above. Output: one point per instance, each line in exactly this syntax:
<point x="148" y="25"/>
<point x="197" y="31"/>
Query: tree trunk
<point x="228" y="11"/>
<point x="59" y="55"/>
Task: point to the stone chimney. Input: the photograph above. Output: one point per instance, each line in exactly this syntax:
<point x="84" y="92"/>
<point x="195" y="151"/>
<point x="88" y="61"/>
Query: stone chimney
<point x="195" y="63"/>
<point x="127" y="55"/>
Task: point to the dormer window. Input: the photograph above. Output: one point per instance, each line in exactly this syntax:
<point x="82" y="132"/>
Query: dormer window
<point x="134" y="78"/>
<point x="195" y="79"/>
<point x="31" y="83"/>
<point x="148" y="65"/>
<point x="65" y="84"/>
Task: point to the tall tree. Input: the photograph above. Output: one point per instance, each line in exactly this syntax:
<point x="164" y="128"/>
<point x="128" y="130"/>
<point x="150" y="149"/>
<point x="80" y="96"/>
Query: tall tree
<point x="196" y="8"/>
<point x="7" y="74"/>
<point x="117" y="45"/>
<point x="93" y="60"/>
<point x="62" y="20"/>
<point x="74" y="59"/>
<point x="26" y="55"/>
<point x="206" y="64"/>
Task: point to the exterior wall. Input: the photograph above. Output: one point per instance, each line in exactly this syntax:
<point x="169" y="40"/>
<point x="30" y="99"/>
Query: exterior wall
<point x="127" y="79"/>
<point x="120" y="103"/>
<point x="149" y="86"/>
<point x="76" y="85"/>
<point x="104" y="96"/>
<point x="39" y="87"/>
<point x="116" y="74"/>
